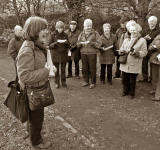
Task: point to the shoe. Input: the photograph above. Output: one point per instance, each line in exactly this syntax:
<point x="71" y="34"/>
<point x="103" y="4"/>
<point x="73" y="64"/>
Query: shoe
<point x="57" y="86"/>
<point x="155" y="99"/>
<point x="43" y="145"/>
<point x="109" y="82"/>
<point x="143" y="80"/>
<point x="69" y="76"/>
<point x="92" y="86"/>
<point x="77" y="77"/>
<point x="132" y="97"/>
<point x="152" y="92"/>
<point x="64" y="85"/>
<point x="102" y="82"/>
<point x="116" y="76"/>
<point x="124" y="94"/>
<point x="85" y="84"/>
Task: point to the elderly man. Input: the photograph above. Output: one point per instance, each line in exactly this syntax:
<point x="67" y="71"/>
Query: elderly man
<point x="149" y="35"/>
<point x="15" y="43"/>
<point x="89" y="41"/>
<point x="74" y="52"/>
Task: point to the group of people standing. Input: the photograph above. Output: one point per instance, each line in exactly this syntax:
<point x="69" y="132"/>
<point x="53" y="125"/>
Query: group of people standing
<point x="29" y="48"/>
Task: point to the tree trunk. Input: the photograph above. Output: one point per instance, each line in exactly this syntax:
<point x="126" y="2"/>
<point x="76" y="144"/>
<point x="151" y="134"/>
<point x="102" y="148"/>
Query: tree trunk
<point x="17" y="12"/>
<point x="28" y="8"/>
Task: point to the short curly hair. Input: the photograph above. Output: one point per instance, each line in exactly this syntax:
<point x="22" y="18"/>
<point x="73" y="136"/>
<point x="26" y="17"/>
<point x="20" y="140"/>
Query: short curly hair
<point x="33" y="26"/>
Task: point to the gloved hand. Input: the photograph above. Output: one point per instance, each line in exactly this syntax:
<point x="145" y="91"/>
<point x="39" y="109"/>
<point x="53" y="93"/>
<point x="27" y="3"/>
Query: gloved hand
<point x="135" y="54"/>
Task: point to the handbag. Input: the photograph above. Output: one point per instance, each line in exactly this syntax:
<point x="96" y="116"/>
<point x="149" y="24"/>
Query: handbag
<point x="123" y="58"/>
<point x="17" y="101"/>
<point x="40" y="97"/>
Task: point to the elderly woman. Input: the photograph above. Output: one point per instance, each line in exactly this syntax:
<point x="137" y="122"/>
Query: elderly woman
<point x="107" y="54"/>
<point x="149" y="35"/>
<point x="59" y="50"/>
<point x="136" y="48"/>
<point x="89" y="41"/>
<point x="15" y="43"/>
<point x="33" y="72"/>
<point x="154" y="50"/>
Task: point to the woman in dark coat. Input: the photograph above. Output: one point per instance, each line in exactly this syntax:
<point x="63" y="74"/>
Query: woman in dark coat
<point x="59" y="51"/>
<point x="107" y="54"/>
<point x="33" y="72"/>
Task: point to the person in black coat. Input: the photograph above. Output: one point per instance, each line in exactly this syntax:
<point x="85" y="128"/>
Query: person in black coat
<point x="74" y="52"/>
<point x="59" y="51"/>
<point x="149" y="35"/>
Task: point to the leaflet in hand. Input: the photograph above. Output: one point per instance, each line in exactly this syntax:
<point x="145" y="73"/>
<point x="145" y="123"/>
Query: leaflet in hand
<point x="107" y="48"/>
<point x="61" y="41"/>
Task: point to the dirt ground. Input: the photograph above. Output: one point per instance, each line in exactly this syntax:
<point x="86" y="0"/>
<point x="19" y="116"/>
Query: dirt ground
<point x="102" y="118"/>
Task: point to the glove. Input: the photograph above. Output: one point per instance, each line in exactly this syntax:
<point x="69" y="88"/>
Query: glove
<point x="135" y="54"/>
<point x="52" y="45"/>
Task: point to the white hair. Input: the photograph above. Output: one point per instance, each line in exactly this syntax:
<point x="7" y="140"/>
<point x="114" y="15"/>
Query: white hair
<point x="17" y="28"/>
<point x="106" y="25"/>
<point x="87" y="22"/>
<point x="152" y="18"/>
<point x="129" y="24"/>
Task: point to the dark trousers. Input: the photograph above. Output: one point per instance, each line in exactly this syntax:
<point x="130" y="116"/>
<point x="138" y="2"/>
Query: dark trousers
<point x="76" y="62"/>
<point x="129" y="83"/>
<point x="118" y="72"/>
<point x="89" y="67"/>
<point x="63" y="73"/>
<point x="103" y="72"/>
<point x="145" y="68"/>
<point x="35" y="123"/>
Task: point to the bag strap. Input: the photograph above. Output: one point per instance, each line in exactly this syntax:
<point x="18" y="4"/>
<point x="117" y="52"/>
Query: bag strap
<point x="135" y="42"/>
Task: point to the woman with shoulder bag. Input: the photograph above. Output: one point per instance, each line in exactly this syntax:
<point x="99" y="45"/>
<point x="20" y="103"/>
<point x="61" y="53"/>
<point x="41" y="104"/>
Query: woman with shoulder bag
<point x="33" y="73"/>
<point x="136" y="49"/>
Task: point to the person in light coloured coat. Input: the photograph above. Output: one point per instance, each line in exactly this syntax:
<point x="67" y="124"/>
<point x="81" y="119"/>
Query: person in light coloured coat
<point x="133" y="66"/>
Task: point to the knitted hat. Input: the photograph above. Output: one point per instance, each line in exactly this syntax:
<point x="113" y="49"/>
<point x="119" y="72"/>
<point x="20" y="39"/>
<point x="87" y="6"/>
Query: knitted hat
<point x="73" y="23"/>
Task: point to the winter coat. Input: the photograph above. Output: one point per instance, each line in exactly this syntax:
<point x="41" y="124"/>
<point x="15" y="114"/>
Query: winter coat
<point x="134" y="63"/>
<point x="14" y="47"/>
<point x="108" y="57"/>
<point x="120" y="35"/>
<point x="59" y="51"/>
<point x="152" y="33"/>
<point x="72" y="38"/>
<point x="93" y="45"/>
<point x="31" y="65"/>
<point x="155" y="48"/>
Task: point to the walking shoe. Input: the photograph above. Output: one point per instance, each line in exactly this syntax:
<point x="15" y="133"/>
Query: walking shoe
<point x="57" y="86"/>
<point x="132" y="97"/>
<point x="102" y="82"/>
<point x="64" y="85"/>
<point x="43" y="145"/>
<point x="116" y="76"/>
<point x="92" y="86"/>
<point x="152" y="92"/>
<point x="109" y="82"/>
<point x="69" y="76"/>
<point x="77" y="77"/>
<point x="85" y="84"/>
<point x="124" y="94"/>
<point x="155" y="99"/>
